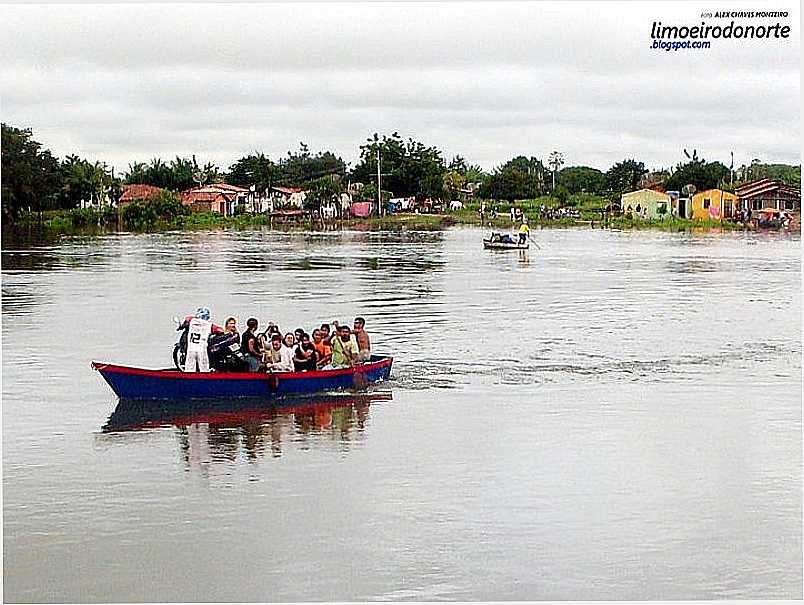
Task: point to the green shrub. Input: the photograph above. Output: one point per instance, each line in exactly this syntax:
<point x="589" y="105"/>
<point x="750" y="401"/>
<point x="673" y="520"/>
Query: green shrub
<point x="84" y="217"/>
<point x="59" y="223"/>
<point x="561" y="194"/>
<point x="163" y="208"/>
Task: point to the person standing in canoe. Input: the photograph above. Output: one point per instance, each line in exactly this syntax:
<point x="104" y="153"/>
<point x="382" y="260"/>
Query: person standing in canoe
<point x="524" y="231"/>
<point x="198" y="334"/>
<point x="363" y="341"/>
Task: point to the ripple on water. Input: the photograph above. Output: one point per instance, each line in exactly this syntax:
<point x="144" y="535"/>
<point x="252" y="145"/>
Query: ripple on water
<point x="616" y="415"/>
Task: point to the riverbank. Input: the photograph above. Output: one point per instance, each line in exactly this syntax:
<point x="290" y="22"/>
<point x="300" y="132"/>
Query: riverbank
<point x="89" y="222"/>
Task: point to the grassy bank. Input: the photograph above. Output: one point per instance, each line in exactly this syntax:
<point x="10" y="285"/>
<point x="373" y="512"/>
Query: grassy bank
<point x="80" y="222"/>
<point x="589" y="209"/>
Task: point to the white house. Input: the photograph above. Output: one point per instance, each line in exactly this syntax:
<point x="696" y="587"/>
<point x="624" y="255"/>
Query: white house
<point x="287" y="197"/>
<point x="98" y="201"/>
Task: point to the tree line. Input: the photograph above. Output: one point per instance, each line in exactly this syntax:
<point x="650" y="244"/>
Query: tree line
<point x="34" y="179"/>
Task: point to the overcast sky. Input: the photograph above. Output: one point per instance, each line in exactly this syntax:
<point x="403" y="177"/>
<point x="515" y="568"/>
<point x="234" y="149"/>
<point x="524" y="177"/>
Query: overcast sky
<point x="489" y="81"/>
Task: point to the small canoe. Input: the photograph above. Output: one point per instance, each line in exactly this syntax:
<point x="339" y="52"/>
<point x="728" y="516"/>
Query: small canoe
<point x="139" y="383"/>
<point x="489" y="245"/>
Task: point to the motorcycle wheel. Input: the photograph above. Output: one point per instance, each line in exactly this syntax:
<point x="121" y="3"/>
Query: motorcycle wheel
<point x="178" y="357"/>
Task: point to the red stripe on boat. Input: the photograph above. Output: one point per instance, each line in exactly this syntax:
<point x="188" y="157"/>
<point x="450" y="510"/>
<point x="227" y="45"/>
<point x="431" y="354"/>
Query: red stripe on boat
<point x="116" y="369"/>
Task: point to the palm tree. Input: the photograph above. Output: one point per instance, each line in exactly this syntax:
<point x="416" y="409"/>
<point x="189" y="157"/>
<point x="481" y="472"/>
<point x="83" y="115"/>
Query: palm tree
<point x="555" y="161"/>
<point x="136" y="173"/>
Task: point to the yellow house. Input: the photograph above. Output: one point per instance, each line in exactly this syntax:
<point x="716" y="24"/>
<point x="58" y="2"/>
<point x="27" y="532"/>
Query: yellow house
<point x="714" y="204"/>
<point x="645" y="203"/>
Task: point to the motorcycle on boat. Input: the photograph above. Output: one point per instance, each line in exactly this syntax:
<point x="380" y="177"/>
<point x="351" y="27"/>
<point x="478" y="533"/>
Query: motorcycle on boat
<point x="223" y="350"/>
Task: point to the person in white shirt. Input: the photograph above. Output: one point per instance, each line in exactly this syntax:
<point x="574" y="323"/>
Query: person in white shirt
<point x="278" y="357"/>
<point x="198" y="333"/>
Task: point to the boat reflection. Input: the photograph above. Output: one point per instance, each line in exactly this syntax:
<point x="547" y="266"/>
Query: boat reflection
<point x="210" y="431"/>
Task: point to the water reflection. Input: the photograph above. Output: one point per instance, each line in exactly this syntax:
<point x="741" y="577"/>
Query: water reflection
<point x="76" y="254"/>
<point x="25" y="237"/>
<point x="18" y="299"/>
<point x="398" y="253"/>
<point x="225" y="431"/>
<point x="693" y="265"/>
<point x="22" y="260"/>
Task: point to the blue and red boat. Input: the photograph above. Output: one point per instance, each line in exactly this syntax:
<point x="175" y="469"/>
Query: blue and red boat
<point x="138" y="383"/>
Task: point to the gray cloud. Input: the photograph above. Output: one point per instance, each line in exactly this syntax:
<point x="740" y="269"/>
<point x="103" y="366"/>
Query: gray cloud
<point x="488" y="81"/>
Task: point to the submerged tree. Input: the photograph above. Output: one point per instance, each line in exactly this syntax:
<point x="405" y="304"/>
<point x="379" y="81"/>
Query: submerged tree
<point x="30" y="174"/>
<point x="322" y="191"/>
<point x="84" y="181"/>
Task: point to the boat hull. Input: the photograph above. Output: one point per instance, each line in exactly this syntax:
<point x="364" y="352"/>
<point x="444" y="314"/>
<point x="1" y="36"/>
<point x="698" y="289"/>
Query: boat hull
<point x="489" y="245"/>
<point x="138" y="383"/>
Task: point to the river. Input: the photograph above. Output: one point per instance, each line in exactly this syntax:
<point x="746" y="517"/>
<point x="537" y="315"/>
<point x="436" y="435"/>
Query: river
<point x="614" y="415"/>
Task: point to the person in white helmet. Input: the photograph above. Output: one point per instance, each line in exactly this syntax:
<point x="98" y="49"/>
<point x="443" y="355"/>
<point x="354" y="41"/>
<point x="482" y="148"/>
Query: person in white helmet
<point x="197" y="335"/>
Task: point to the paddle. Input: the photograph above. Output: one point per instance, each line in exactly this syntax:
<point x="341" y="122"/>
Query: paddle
<point x="533" y="241"/>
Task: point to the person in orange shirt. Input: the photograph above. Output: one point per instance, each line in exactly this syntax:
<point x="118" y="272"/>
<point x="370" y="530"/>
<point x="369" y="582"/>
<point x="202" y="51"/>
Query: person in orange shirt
<point x="324" y="350"/>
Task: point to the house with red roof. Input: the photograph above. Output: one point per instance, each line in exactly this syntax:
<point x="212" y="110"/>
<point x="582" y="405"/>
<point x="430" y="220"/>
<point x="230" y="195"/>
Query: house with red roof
<point x="137" y="192"/>
<point x="221" y="198"/>
<point x="768" y="193"/>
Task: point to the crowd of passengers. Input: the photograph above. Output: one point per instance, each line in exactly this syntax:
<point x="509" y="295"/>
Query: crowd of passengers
<point x="271" y="351"/>
<point x="298" y="350"/>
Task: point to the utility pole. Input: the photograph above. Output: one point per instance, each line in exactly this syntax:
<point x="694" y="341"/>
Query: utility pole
<point x="379" y="184"/>
<point x="731" y="170"/>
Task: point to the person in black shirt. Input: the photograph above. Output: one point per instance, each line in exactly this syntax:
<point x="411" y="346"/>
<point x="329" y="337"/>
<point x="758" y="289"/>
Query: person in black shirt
<point x="250" y="345"/>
